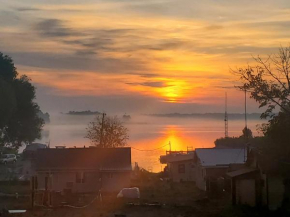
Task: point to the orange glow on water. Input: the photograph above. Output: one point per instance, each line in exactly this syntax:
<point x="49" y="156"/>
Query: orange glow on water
<point x="180" y="138"/>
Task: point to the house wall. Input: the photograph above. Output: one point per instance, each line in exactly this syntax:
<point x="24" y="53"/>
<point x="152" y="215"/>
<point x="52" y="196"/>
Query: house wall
<point x="246" y="192"/>
<point x="271" y="195"/>
<point x="263" y="188"/>
<point x="115" y="181"/>
<point x="181" y="171"/>
<point x="200" y="174"/>
<point x="84" y="182"/>
<point x="216" y="172"/>
<point x="276" y="190"/>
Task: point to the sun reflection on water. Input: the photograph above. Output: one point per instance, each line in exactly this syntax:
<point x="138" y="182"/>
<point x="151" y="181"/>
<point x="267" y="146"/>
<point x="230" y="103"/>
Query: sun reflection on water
<point x="179" y="138"/>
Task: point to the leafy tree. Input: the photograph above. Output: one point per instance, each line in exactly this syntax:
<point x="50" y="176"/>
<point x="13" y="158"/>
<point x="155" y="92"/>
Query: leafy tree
<point x="238" y="142"/>
<point x="107" y="132"/>
<point x="19" y="122"/>
<point x="277" y="133"/>
<point x="247" y="133"/>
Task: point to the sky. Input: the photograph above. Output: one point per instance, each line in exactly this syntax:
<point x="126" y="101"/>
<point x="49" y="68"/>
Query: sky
<point x="140" y="56"/>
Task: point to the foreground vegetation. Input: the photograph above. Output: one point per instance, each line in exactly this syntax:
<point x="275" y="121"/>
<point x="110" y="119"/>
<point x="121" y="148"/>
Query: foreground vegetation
<point x="158" y="198"/>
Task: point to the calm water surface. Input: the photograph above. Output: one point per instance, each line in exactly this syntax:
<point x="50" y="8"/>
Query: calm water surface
<point x="147" y="133"/>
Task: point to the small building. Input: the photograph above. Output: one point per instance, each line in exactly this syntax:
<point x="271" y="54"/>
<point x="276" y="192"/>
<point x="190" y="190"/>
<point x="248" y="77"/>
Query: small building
<point x="212" y="164"/>
<point x="179" y="165"/>
<point x="30" y="150"/>
<point x="256" y="184"/>
<point x="83" y="170"/>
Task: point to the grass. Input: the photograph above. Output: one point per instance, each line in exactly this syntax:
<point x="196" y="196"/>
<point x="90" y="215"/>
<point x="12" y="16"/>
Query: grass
<point x="175" y="199"/>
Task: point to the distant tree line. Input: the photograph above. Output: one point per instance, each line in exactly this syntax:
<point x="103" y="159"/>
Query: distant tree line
<point x="240" y="141"/>
<point x="87" y="112"/>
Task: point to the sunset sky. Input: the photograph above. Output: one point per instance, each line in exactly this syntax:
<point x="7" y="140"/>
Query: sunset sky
<point x="144" y="56"/>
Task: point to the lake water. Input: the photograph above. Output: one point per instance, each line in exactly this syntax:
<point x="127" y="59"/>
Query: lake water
<point x="146" y="134"/>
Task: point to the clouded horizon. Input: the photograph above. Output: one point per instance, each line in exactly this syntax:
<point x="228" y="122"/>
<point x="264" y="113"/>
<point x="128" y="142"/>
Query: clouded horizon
<point x="153" y="56"/>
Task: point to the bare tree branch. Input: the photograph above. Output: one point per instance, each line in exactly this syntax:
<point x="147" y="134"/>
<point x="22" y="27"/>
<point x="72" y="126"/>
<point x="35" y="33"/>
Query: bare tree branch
<point x="269" y="86"/>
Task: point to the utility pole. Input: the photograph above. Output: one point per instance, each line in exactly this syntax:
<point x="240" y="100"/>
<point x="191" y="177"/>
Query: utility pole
<point x="102" y="130"/>
<point x="246" y="122"/>
<point x="226" y="117"/>
<point x="246" y="129"/>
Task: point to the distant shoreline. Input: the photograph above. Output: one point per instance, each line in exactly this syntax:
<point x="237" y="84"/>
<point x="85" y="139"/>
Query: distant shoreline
<point x="233" y="116"/>
<point x="83" y="113"/>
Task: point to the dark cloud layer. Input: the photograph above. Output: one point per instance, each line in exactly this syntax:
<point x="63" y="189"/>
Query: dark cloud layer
<point x="54" y="28"/>
<point x="58" y="62"/>
<point x="24" y="9"/>
<point x="150" y="84"/>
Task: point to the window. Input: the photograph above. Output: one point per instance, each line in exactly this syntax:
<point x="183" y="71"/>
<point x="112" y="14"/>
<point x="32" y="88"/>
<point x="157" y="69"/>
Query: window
<point x="181" y="168"/>
<point x="109" y="175"/>
<point x="80" y="177"/>
<point x="69" y="185"/>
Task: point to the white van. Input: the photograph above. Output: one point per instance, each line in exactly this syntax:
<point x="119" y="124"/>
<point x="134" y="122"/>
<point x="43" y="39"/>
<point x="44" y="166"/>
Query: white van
<point x="8" y="158"/>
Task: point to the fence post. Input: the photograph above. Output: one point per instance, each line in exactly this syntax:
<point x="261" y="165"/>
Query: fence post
<point x="46" y="199"/>
<point x="32" y="191"/>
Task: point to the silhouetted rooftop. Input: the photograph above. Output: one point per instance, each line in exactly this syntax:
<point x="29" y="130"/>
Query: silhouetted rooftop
<point x="84" y="158"/>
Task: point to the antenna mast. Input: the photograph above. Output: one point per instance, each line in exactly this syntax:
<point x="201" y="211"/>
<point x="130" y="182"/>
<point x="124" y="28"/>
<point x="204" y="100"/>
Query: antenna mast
<point x="226" y="116"/>
<point x="246" y="122"/>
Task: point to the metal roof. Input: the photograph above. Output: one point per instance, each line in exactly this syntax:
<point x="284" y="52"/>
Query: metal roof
<point x="220" y="157"/>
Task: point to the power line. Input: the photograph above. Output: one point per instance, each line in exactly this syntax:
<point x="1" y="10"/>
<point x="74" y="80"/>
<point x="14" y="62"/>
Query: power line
<point x="149" y="149"/>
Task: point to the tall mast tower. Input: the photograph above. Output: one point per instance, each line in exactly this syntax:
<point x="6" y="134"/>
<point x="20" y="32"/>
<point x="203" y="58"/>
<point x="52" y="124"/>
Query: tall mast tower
<point x="226" y="117"/>
<point x="246" y="121"/>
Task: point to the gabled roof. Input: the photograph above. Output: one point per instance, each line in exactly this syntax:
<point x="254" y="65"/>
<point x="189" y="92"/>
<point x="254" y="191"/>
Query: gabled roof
<point x="219" y="156"/>
<point x="84" y="158"/>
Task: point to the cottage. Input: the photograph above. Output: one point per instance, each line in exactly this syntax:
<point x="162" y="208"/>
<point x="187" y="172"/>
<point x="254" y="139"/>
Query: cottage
<point x="212" y="164"/>
<point x="179" y="166"/>
<point x="257" y="185"/>
<point x="83" y="170"/>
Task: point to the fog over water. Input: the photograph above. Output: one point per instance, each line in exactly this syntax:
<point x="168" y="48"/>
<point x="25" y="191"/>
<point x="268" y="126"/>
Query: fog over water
<point x="147" y="133"/>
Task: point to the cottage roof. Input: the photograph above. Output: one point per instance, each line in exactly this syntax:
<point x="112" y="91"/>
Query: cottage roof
<point x="243" y="171"/>
<point x="171" y="158"/>
<point x="35" y="146"/>
<point x="84" y="158"/>
<point x="220" y="157"/>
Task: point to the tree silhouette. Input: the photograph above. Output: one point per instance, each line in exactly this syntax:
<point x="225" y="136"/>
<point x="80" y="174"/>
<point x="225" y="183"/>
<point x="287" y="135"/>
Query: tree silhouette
<point x="107" y="132"/>
<point x="269" y="84"/>
<point x="269" y="81"/>
<point x="19" y="122"/>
